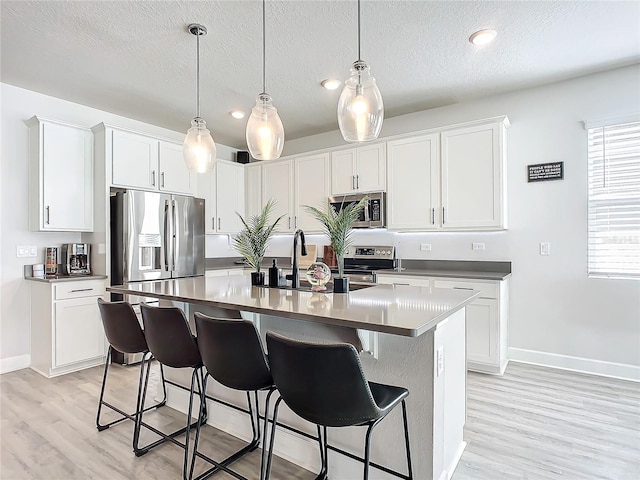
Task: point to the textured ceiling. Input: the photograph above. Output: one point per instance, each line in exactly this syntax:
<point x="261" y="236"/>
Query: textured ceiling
<point x="136" y="58"/>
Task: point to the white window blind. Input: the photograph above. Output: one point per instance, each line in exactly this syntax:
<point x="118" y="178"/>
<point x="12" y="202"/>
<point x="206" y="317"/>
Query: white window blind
<point x="614" y="200"/>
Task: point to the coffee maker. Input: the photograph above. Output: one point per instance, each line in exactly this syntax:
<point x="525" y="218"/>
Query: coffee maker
<point x="76" y="259"/>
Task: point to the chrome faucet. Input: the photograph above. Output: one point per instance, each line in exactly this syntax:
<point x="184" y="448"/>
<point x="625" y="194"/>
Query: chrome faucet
<point x="295" y="275"/>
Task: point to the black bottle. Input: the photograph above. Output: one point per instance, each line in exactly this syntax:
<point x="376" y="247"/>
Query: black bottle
<point x="274" y="274"/>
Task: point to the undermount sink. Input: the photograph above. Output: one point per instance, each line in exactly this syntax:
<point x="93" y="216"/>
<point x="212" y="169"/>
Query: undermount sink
<point x="306" y="287"/>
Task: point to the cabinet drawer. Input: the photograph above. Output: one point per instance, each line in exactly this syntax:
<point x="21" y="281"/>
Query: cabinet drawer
<point x="414" y="281"/>
<point x="487" y="290"/>
<point x="86" y="288"/>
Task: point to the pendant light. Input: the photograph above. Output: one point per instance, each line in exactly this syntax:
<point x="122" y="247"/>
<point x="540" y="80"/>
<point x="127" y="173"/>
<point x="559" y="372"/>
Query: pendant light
<point x="360" y="108"/>
<point x="198" y="149"/>
<point x="265" y="133"/>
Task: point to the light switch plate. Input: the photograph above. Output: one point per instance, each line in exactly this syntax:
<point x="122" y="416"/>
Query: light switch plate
<point x="440" y="361"/>
<point x="545" y="248"/>
<point x="477" y="246"/>
<point x="26" y="251"/>
<point x="425" y="247"/>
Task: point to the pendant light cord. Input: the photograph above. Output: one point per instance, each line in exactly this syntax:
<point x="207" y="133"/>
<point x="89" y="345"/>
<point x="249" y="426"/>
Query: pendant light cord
<point x="264" y="50"/>
<point x="359" y="57"/>
<point x="198" y="33"/>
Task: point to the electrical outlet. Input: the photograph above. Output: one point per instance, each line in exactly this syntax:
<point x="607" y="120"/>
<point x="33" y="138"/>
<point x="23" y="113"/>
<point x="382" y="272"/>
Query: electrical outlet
<point x="477" y="246"/>
<point x="26" y="251"/>
<point x="545" y="248"/>
<point x="425" y="247"/>
<point x="440" y="361"/>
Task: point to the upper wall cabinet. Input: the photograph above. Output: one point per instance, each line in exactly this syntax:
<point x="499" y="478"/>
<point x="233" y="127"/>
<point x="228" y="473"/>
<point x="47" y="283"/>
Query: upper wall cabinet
<point x="453" y="180"/>
<point x="60" y="176"/>
<point x="358" y="170"/>
<point x="223" y="190"/>
<point x="147" y="163"/>
<point x="253" y="189"/>
<point x="277" y="184"/>
<point x="311" y="188"/>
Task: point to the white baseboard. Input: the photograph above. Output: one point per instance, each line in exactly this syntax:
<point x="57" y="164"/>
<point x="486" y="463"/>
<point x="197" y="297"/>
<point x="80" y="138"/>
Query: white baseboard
<point x="289" y="445"/>
<point x="12" y="364"/>
<point x="576" y="364"/>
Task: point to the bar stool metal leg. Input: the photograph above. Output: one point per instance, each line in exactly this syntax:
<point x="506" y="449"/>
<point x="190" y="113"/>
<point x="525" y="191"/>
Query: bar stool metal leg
<point x="406" y="439"/>
<point x="124" y="415"/>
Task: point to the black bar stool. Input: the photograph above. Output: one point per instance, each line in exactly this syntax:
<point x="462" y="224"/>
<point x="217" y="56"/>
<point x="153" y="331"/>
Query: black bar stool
<point x="125" y="335"/>
<point x="325" y="385"/>
<point x="233" y="355"/>
<point x="172" y="344"/>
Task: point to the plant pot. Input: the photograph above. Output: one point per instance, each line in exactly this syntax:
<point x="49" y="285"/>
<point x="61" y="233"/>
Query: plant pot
<point x="341" y="285"/>
<point x="257" y="278"/>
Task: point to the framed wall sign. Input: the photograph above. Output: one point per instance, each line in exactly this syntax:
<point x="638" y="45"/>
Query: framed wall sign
<point x="545" y="171"/>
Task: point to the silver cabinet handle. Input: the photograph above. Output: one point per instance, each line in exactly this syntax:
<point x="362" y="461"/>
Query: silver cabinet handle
<point x="174" y="230"/>
<point x="295" y="222"/>
<point x="162" y="179"/>
<point x="462" y="288"/>
<point x="357" y="182"/>
<point x="289" y="222"/>
<point x="213" y="223"/>
<point x="443" y="215"/>
<point x="153" y="178"/>
<point x="402" y="284"/>
<point x="81" y="290"/>
<point x="218" y="223"/>
<point x="433" y="216"/>
<point x="353" y="182"/>
<point x="46" y="209"/>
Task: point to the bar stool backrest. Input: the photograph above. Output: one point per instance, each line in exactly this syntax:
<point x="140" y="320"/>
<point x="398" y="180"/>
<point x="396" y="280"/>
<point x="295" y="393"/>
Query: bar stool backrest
<point x="169" y="337"/>
<point x="322" y="383"/>
<point x="121" y="327"/>
<point x="232" y="352"/>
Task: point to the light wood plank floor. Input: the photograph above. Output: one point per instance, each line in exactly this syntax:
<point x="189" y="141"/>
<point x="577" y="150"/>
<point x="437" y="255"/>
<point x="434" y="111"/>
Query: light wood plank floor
<point x="533" y="423"/>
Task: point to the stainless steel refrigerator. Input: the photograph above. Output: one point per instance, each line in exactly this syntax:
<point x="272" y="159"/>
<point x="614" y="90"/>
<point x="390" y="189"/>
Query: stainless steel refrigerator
<point x="155" y="236"/>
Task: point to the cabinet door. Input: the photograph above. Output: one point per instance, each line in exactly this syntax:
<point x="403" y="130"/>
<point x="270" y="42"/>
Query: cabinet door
<point x="311" y="188"/>
<point x="253" y="190"/>
<point x="229" y="196"/>
<point x="134" y="161"/>
<point x="343" y="176"/>
<point x="370" y="168"/>
<point x="78" y="331"/>
<point x="483" y="332"/>
<point x="277" y="183"/>
<point x="413" y="192"/>
<point x="206" y="188"/>
<point x="175" y="177"/>
<point x="67" y="178"/>
<point x="472" y="177"/>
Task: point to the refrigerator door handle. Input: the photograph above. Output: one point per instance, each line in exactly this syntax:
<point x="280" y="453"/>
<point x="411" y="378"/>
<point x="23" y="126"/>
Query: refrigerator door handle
<point x="166" y="235"/>
<point x="175" y="235"/>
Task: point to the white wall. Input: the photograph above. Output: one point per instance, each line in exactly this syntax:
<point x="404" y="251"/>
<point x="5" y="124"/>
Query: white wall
<point x="555" y="308"/>
<point x="17" y="106"/>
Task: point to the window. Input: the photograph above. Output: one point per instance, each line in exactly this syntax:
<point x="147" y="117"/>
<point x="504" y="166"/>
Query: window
<point x="614" y="199"/>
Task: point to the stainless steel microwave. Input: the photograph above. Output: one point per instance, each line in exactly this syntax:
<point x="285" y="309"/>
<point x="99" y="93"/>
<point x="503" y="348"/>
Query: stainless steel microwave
<point x="374" y="214"/>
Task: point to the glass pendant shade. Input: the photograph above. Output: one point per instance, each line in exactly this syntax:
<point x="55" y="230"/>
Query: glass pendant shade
<point x="265" y="133"/>
<point x="360" y="108"/>
<point x="198" y="149"/>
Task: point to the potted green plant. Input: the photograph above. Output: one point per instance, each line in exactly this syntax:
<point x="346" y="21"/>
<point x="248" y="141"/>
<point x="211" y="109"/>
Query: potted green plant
<point x="253" y="240"/>
<point x="338" y="227"/>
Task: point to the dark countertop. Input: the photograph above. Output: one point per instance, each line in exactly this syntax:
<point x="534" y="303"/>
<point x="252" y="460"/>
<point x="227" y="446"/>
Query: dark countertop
<point x="66" y="278"/>
<point x="467" y="269"/>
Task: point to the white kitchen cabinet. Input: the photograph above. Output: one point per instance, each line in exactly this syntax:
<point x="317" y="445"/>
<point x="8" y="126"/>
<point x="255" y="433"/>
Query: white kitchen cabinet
<point x="66" y="328"/>
<point x="487" y="317"/>
<point x="311" y="188"/>
<point x="358" y="170"/>
<point x="413" y="194"/>
<point x="223" y="190"/>
<point x="473" y="177"/>
<point x="277" y="184"/>
<point x="175" y="177"/>
<point x="60" y="176"/>
<point x="144" y="162"/>
<point x="253" y="189"/>
<point x="452" y="180"/>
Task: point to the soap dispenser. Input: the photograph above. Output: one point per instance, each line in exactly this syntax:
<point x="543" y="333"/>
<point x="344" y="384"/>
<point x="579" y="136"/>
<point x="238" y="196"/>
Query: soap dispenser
<point x="274" y="274"/>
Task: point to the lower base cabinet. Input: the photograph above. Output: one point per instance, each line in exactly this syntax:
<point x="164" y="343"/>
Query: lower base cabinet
<point x="66" y="328"/>
<point x="487" y="317"/>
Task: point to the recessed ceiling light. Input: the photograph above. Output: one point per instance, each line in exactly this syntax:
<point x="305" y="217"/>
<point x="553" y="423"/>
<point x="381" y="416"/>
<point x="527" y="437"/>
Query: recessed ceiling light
<point x="331" y="83"/>
<point x="482" y="37"/>
<point x="237" y="114"/>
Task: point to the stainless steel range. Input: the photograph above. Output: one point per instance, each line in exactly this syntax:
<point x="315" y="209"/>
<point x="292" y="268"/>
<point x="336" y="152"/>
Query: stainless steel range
<point x="361" y="262"/>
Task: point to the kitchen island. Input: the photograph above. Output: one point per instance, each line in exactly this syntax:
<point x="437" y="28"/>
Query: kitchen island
<point x="420" y="346"/>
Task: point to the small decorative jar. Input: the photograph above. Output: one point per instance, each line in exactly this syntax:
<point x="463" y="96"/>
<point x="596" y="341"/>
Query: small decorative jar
<point x="318" y="274"/>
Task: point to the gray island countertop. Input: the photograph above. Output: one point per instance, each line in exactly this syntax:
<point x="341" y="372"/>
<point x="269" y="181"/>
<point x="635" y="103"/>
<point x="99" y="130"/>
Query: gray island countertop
<point x="398" y="310"/>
